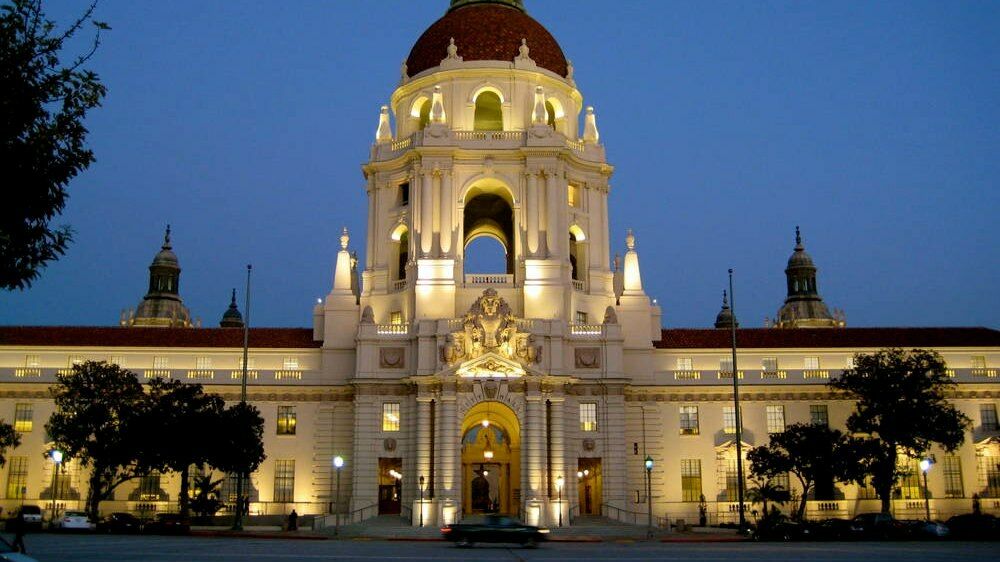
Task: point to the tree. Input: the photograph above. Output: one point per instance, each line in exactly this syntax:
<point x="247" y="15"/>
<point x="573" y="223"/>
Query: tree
<point x="765" y="490"/>
<point x="241" y="440"/>
<point x="810" y="452"/>
<point x="43" y="104"/>
<point x="99" y="419"/>
<point x="206" y="495"/>
<point x="9" y="439"/>
<point x="902" y="409"/>
<point x="181" y="429"/>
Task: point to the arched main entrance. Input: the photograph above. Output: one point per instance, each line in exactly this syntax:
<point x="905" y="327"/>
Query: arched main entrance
<point x="491" y="459"/>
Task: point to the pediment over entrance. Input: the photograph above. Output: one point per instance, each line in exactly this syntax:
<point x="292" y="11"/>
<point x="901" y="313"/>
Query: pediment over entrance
<point x="490" y="366"/>
<point x="490" y="329"/>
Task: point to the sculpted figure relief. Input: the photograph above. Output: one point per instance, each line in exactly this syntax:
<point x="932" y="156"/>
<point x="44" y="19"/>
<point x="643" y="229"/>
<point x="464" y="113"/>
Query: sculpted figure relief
<point x="489" y="327"/>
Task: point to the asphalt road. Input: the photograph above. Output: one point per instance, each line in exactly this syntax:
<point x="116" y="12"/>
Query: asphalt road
<point x="90" y="548"/>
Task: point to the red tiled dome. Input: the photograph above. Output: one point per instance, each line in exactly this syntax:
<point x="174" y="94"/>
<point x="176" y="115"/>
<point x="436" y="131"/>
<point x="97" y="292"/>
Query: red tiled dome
<point x="486" y="32"/>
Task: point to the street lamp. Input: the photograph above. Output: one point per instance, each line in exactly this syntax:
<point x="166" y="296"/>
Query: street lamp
<point x="559" y="485"/>
<point x="649" y="496"/>
<point x="925" y="467"/>
<point x="57" y="457"/>
<point x="420" y="483"/>
<point x="338" y="463"/>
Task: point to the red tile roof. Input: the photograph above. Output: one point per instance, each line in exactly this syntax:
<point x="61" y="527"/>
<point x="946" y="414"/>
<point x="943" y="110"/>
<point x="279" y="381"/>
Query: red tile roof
<point x="687" y="338"/>
<point x="96" y="336"/>
<point x="486" y="32"/>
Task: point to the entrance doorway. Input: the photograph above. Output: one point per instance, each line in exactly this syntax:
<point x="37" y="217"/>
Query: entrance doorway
<point x="589" y="485"/>
<point x="390" y="486"/>
<point x="491" y="459"/>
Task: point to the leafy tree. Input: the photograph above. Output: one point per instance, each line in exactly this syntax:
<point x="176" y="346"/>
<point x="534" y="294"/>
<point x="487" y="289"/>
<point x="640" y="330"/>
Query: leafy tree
<point x="901" y="407"/>
<point x="100" y="420"/>
<point x="9" y="439"/>
<point x="811" y="453"/>
<point x="182" y="429"/>
<point x="205" y="501"/>
<point x="240" y="440"/>
<point x="43" y="104"/>
<point x="766" y="490"/>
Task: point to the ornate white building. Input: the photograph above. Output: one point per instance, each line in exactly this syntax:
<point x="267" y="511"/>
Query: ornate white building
<point x="533" y="391"/>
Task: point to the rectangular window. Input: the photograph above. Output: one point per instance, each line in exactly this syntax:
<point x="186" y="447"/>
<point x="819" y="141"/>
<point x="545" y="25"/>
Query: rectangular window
<point x="32" y="361"/>
<point x="769" y="364"/>
<point x="23" y="417"/>
<point x="117" y="360"/>
<point x="810" y="363"/>
<point x="780" y="481"/>
<point x="988" y="415"/>
<point x="726" y="365"/>
<point x="910" y="487"/>
<point x="775" y="418"/>
<point x="866" y="491"/>
<point x="396" y="317"/>
<point x="390" y="416"/>
<point x="581" y="317"/>
<point x="290" y="364"/>
<point x="404" y="193"/>
<point x="988" y="469"/>
<point x="691" y="480"/>
<point x="952" y="471"/>
<point x="689" y="420"/>
<point x="75" y="360"/>
<point x="286" y="420"/>
<point x="732" y="481"/>
<point x="148" y="489"/>
<point x="978" y="361"/>
<point x="729" y="419"/>
<point x="573" y="195"/>
<point x="203" y="363"/>
<point x="588" y="416"/>
<point x="849" y="364"/>
<point x="17" y="477"/>
<point x="684" y="364"/>
<point x="159" y="363"/>
<point x="284" y="481"/>
<point x="818" y="414"/>
<point x="251" y="363"/>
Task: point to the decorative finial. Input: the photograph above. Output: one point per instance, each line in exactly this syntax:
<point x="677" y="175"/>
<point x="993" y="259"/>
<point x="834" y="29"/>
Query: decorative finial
<point x="569" y="70"/>
<point x="630" y="240"/>
<point x="166" y="238"/>
<point x="452" y="51"/>
<point x="590" y="133"/>
<point x="232" y="303"/>
<point x="798" y="236"/>
<point x="384" y="131"/>
<point x="725" y="299"/>
<point x="344" y="239"/>
<point x="404" y="73"/>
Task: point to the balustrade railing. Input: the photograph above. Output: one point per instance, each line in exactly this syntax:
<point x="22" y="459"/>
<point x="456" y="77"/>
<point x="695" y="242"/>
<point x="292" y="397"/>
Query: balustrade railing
<point x="22" y="372"/>
<point x="392" y="329"/>
<point x="201" y="374"/>
<point x="251" y="374"/>
<point x="987" y="373"/>
<point x="579" y="285"/>
<point x="398" y="285"/>
<point x="287" y="375"/>
<point x="497" y="279"/>
<point x="687" y="375"/>
<point x="815" y="374"/>
<point x="586" y="329"/>
<point x="773" y="374"/>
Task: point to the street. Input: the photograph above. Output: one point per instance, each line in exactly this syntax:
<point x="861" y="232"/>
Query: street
<point x="92" y="548"/>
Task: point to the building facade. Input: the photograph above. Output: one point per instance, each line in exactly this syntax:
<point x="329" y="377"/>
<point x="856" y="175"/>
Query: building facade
<point x="537" y="391"/>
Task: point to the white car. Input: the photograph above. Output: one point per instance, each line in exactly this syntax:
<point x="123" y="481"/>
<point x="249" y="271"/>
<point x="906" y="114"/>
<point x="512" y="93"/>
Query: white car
<point x="73" y="521"/>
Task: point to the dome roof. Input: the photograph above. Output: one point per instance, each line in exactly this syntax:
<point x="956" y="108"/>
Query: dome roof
<point x="166" y="256"/>
<point x="799" y="257"/>
<point x="232" y="317"/>
<point x="725" y="318"/>
<point x="486" y="30"/>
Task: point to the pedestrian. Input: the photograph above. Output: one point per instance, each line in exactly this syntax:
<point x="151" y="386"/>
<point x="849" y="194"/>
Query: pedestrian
<point x="293" y="521"/>
<point x="18" y="522"/>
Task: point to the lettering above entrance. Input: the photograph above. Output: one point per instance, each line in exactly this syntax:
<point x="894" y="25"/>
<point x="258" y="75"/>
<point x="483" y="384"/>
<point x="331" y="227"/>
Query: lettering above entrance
<point x="489" y="341"/>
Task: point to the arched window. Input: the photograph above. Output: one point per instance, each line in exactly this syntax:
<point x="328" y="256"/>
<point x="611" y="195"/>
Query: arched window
<point x="550" y="114"/>
<point x="577" y="253"/>
<point x="485" y="254"/>
<point x="489" y="112"/>
<point x="404" y="255"/>
<point x="425" y="114"/>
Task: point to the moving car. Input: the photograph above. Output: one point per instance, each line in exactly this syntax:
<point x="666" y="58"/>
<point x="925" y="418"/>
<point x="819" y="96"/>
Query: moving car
<point x="119" y="523"/>
<point x="167" y="524"/>
<point x="73" y="521"/>
<point x="974" y="526"/>
<point x="32" y="516"/>
<point x="494" y="529"/>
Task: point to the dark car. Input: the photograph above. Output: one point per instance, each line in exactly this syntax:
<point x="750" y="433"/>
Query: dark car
<point x="31" y="515"/>
<point x="494" y="529"/>
<point x="922" y="529"/>
<point x="780" y="528"/>
<point x="974" y="526"/>
<point x="124" y="523"/>
<point x="831" y="529"/>
<point x="167" y="524"/>
<point x="880" y="526"/>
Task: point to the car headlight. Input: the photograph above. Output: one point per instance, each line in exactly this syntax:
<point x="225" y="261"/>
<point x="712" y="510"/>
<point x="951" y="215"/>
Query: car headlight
<point x="543" y="531"/>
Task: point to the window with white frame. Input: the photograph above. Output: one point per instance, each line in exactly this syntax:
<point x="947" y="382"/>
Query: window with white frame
<point x="691" y="480"/>
<point x="160" y="363"/>
<point x="988" y="417"/>
<point x="32" y="361"/>
<point x="286" y="420"/>
<point x="769" y="364"/>
<point x="810" y="363"/>
<point x="390" y="416"/>
<point x="203" y="363"/>
<point x="684" y="364"/>
<point x="75" y="360"/>
<point x="726" y="365"/>
<point x="729" y="419"/>
<point x="689" y="420"/>
<point x="116" y="360"/>
<point x="588" y="416"/>
<point x="24" y="417"/>
<point x="284" y="480"/>
<point x="952" y="471"/>
<point x="251" y="362"/>
<point x="290" y="364"/>
<point x="775" y="414"/>
<point x="819" y="414"/>
<point x="978" y="361"/>
<point x="17" y="477"/>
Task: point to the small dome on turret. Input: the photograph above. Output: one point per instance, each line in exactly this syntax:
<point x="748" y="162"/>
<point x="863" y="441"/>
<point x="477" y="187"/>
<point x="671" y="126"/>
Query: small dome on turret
<point x="232" y="317"/>
<point x="725" y="318"/>
<point x="799" y="257"/>
<point x="166" y="256"/>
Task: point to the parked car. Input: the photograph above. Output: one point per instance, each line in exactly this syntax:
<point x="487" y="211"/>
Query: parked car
<point x="494" y="529"/>
<point x="73" y="521"/>
<point x="831" y="529"/>
<point x="974" y="526"/>
<point x="119" y="523"/>
<point x="32" y="517"/>
<point x="167" y="524"/>
<point x="920" y="529"/>
<point x="881" y="526"/>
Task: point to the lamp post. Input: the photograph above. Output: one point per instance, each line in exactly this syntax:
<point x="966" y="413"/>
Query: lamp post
<point x="241" y="502"/>
<point x="338" y="463"/>
<point x="559" y="486"/>
<point x="420" y="483"/>
<point x="649" y="496"/>
<point x="57" y="457"/>
<point x="925" y="467"/>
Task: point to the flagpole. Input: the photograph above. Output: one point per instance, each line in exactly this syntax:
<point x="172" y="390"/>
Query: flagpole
<point x="736" y="403"/>
<point x="238" y="520"/>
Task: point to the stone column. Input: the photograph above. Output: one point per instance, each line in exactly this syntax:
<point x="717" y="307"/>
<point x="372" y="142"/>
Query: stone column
<point x="557" y="405"/>
<point x="423" y="454"/>
<point x="426" y="213"/>
<point x="532" y="491"/>
<point x="446" y="210"/>
<point x="552" y="234"/>
<point x="532" y="212"/>
<point x="449" y="460"/>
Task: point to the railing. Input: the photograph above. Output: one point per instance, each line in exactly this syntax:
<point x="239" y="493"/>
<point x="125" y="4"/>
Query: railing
<point x="729" y="375"/>
<point x="392" y="329"/>
<point x="524" y="324"/>
<point x="22" y="372"/>
<point x="586" y="329"/>
<point x="988" y="373"/>
<point x="574" y="512"/>
<point x="154" y="373"/>
<point x="815" y="374"/>
<point x="687" y="375"/>
<point x="575" y="145"/>
<point x="578" y="285"/>
<point x="398" y="285"/>
<point x="251" y="374"/>
<point x="630" y="517"/>
<point x="401" y="144"/>
<point x="359" y="515"/>
<point x="477" y="139"/>
<point x="287" y="375"/>
<point x="488" y="135"/>
<point x="201" y="374"/>
<point x="406" y="513"/>
<point x="950" y="373"/>
<point x="774" y="374"/>
<point x="501" y="279"/>
<point x="64" y="372"/>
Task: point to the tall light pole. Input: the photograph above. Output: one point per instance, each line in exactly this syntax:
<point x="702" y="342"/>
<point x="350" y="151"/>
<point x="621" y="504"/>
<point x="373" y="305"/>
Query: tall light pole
<point x="559" y="486"/>
<point x="338" y="463"/>
<point x="649" y="496"/>
<point x="57" y="457"/>
<point x="925" y="467"/>
<point x="420" y="484"/>
<point x="736" y="405"/>
<point x="238" y="520"/>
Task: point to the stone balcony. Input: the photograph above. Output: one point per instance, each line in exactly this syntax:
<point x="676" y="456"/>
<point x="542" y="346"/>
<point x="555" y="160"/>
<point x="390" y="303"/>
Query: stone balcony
<point x="486" y="140"/>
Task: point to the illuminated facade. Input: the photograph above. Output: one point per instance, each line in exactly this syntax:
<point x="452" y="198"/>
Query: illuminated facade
<point x="493" y="389"/>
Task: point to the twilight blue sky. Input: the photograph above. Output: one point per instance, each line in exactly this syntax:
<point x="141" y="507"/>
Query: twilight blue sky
<point x="874" y="125"/>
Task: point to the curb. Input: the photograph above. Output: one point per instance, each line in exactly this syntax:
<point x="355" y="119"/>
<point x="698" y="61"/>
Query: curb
<point x="259" y="535"/>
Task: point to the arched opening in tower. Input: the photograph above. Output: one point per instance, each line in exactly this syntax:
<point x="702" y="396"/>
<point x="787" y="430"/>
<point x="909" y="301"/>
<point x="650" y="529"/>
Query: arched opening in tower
<point x="489" y="112"/>
<point x="488" y="215"/>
